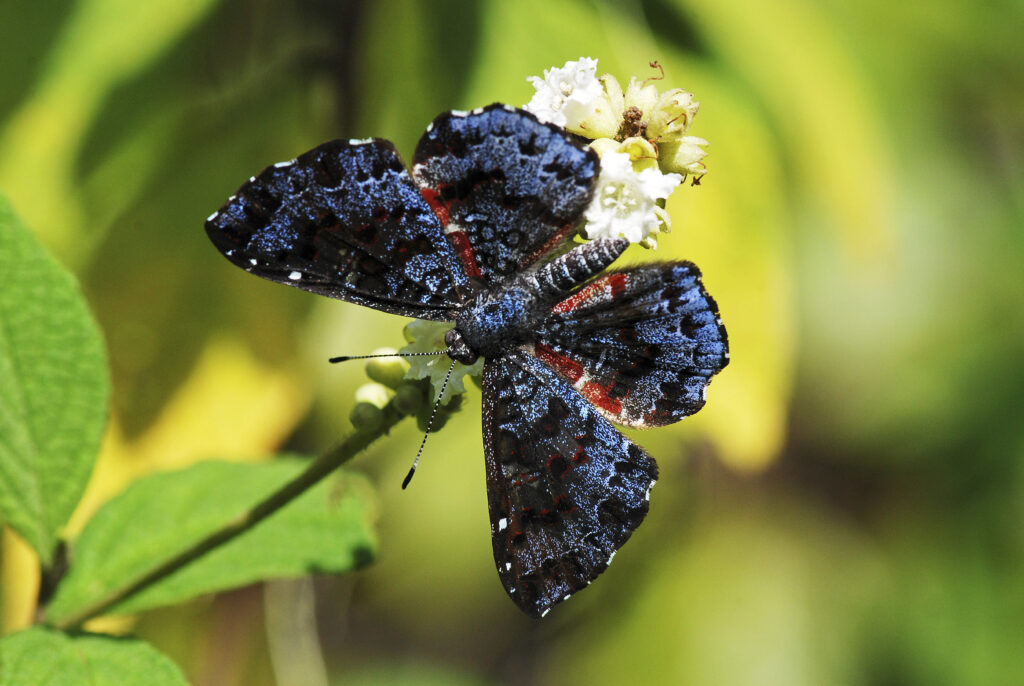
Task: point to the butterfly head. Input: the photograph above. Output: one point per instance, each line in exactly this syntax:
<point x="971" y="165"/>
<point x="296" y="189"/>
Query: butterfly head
<point x="458" y="349"/>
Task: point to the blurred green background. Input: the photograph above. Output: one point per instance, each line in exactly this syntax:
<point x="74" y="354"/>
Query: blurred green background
<point x="847" y="509"/>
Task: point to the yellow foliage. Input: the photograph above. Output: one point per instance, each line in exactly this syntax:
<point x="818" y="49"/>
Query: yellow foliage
<point x="42" y="139"/>
<point x="230" y="407"/>
<point x="19" y="568"/>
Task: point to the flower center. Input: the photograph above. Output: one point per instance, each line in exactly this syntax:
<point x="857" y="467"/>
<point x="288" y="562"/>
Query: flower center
<point x="620" y="198"/>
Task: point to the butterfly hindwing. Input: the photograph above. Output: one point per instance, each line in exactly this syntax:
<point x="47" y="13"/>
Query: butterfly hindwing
<point x="508" y="188"/>
<point x="565" y="489"/>
<point x="344" y="220"/>
<point x="641" y="344"/>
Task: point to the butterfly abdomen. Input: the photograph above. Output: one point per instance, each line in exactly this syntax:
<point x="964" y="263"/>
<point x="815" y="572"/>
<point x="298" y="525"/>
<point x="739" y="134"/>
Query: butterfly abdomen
<point x="555" y="279"/>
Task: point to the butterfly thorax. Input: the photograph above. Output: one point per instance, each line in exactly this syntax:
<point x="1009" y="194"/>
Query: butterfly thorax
<point x="496" y="321"/>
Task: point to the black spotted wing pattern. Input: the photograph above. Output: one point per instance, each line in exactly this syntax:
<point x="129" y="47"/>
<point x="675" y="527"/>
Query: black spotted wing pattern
<point x="565" y="489"/>
<point x="344" y="220"/>
<point x="508" y="188"/>
<point x="640" y="344"/>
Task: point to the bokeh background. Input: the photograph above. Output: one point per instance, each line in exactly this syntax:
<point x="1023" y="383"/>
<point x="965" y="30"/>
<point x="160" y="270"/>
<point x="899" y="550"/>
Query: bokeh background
<point x="847" y="509"/>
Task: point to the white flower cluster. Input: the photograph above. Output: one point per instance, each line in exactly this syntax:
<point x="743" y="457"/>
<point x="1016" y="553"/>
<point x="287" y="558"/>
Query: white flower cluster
<point x="625" y="203"/>
<point x="640" y="135"/>
<point x="565" y="95"/>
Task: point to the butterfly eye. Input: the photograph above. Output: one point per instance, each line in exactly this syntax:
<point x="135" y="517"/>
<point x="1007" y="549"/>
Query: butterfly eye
<point x="458" y="350"/>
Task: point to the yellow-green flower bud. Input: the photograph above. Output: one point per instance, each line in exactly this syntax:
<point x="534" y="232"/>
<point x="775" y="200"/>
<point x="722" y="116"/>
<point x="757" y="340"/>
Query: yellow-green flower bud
<point x="683" y="156"/>
<point x="409" y="398"/>
<point x="374" y="394"/>
<point x="641" y="153"/>
<point x="387" y="370"/>
<point x="642" y="95"/>
<point x="671" y="116"/>
<point x="601" y="120"/>
<point x="666" y="221"/>
<point x="366" y="417"/>
<point x="613" y="93"/>
<point x="440" y="419"/>
<point x="605" y="145"/>
<point x="603" y="116"/>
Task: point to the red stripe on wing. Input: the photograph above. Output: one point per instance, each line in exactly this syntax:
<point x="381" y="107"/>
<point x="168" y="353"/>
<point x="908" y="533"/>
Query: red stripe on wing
<point x="611" y="285"/>
<point x="440" y="207"/>
<point x="599" y="396"/>
<point x="570" y="369"/>
<point x="458" y="239"/>
<point x="464" y="250"/>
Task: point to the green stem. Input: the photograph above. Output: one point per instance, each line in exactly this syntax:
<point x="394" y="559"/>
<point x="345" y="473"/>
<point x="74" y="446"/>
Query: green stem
<point x="320" y="468"/>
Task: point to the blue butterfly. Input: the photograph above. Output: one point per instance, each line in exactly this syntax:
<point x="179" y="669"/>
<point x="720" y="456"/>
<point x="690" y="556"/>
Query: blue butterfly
<point x="479" y="234"/>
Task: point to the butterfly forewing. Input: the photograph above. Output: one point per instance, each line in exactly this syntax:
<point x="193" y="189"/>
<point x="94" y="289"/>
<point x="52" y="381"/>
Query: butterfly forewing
<point x="508" y="188"/>
<point x="344" y="220"/>
<point x="565" y="489"/>
<point x="640" y="344"/>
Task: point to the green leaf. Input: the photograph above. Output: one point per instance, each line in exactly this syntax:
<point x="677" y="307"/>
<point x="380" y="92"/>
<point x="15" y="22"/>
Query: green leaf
<point x="53" y="388"/>
<point x="327" y="529"/>
<point x="44" y="657"/>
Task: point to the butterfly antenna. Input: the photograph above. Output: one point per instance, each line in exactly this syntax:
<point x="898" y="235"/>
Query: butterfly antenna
<point x="437" y="403"/>
<point x="346" y="358"/>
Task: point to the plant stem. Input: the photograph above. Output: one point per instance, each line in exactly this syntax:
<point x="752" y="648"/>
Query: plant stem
<point x="320" y="468"/>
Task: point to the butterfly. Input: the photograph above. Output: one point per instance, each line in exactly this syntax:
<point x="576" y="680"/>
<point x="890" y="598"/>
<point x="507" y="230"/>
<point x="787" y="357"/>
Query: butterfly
<point x="479" y="235"/>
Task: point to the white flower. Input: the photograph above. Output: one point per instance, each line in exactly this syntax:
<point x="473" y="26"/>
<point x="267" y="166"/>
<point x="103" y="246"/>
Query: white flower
<point x="565" y="96"/>
<point x="624" y="202"/>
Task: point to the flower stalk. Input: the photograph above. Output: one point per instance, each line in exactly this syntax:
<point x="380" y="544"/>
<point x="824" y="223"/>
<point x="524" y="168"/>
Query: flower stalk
<point x="319" y="469"/>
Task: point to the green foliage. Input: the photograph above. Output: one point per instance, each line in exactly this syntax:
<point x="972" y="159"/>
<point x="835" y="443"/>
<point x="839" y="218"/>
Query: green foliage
<point x="53" y="407"/>
<point x="53" y="389"/>
<point x="859" y="227"/>
<point x="327" y="529"/>
<point x="43" y="657"/>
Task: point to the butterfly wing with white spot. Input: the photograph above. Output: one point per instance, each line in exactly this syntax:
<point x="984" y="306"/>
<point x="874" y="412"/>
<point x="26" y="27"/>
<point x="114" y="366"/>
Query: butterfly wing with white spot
<point x="344" y="220"/>
<point x="565" y="489"/>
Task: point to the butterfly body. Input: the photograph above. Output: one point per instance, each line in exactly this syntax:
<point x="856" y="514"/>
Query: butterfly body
<point x="502" y="318"/>
<point x="477" y="235"/>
